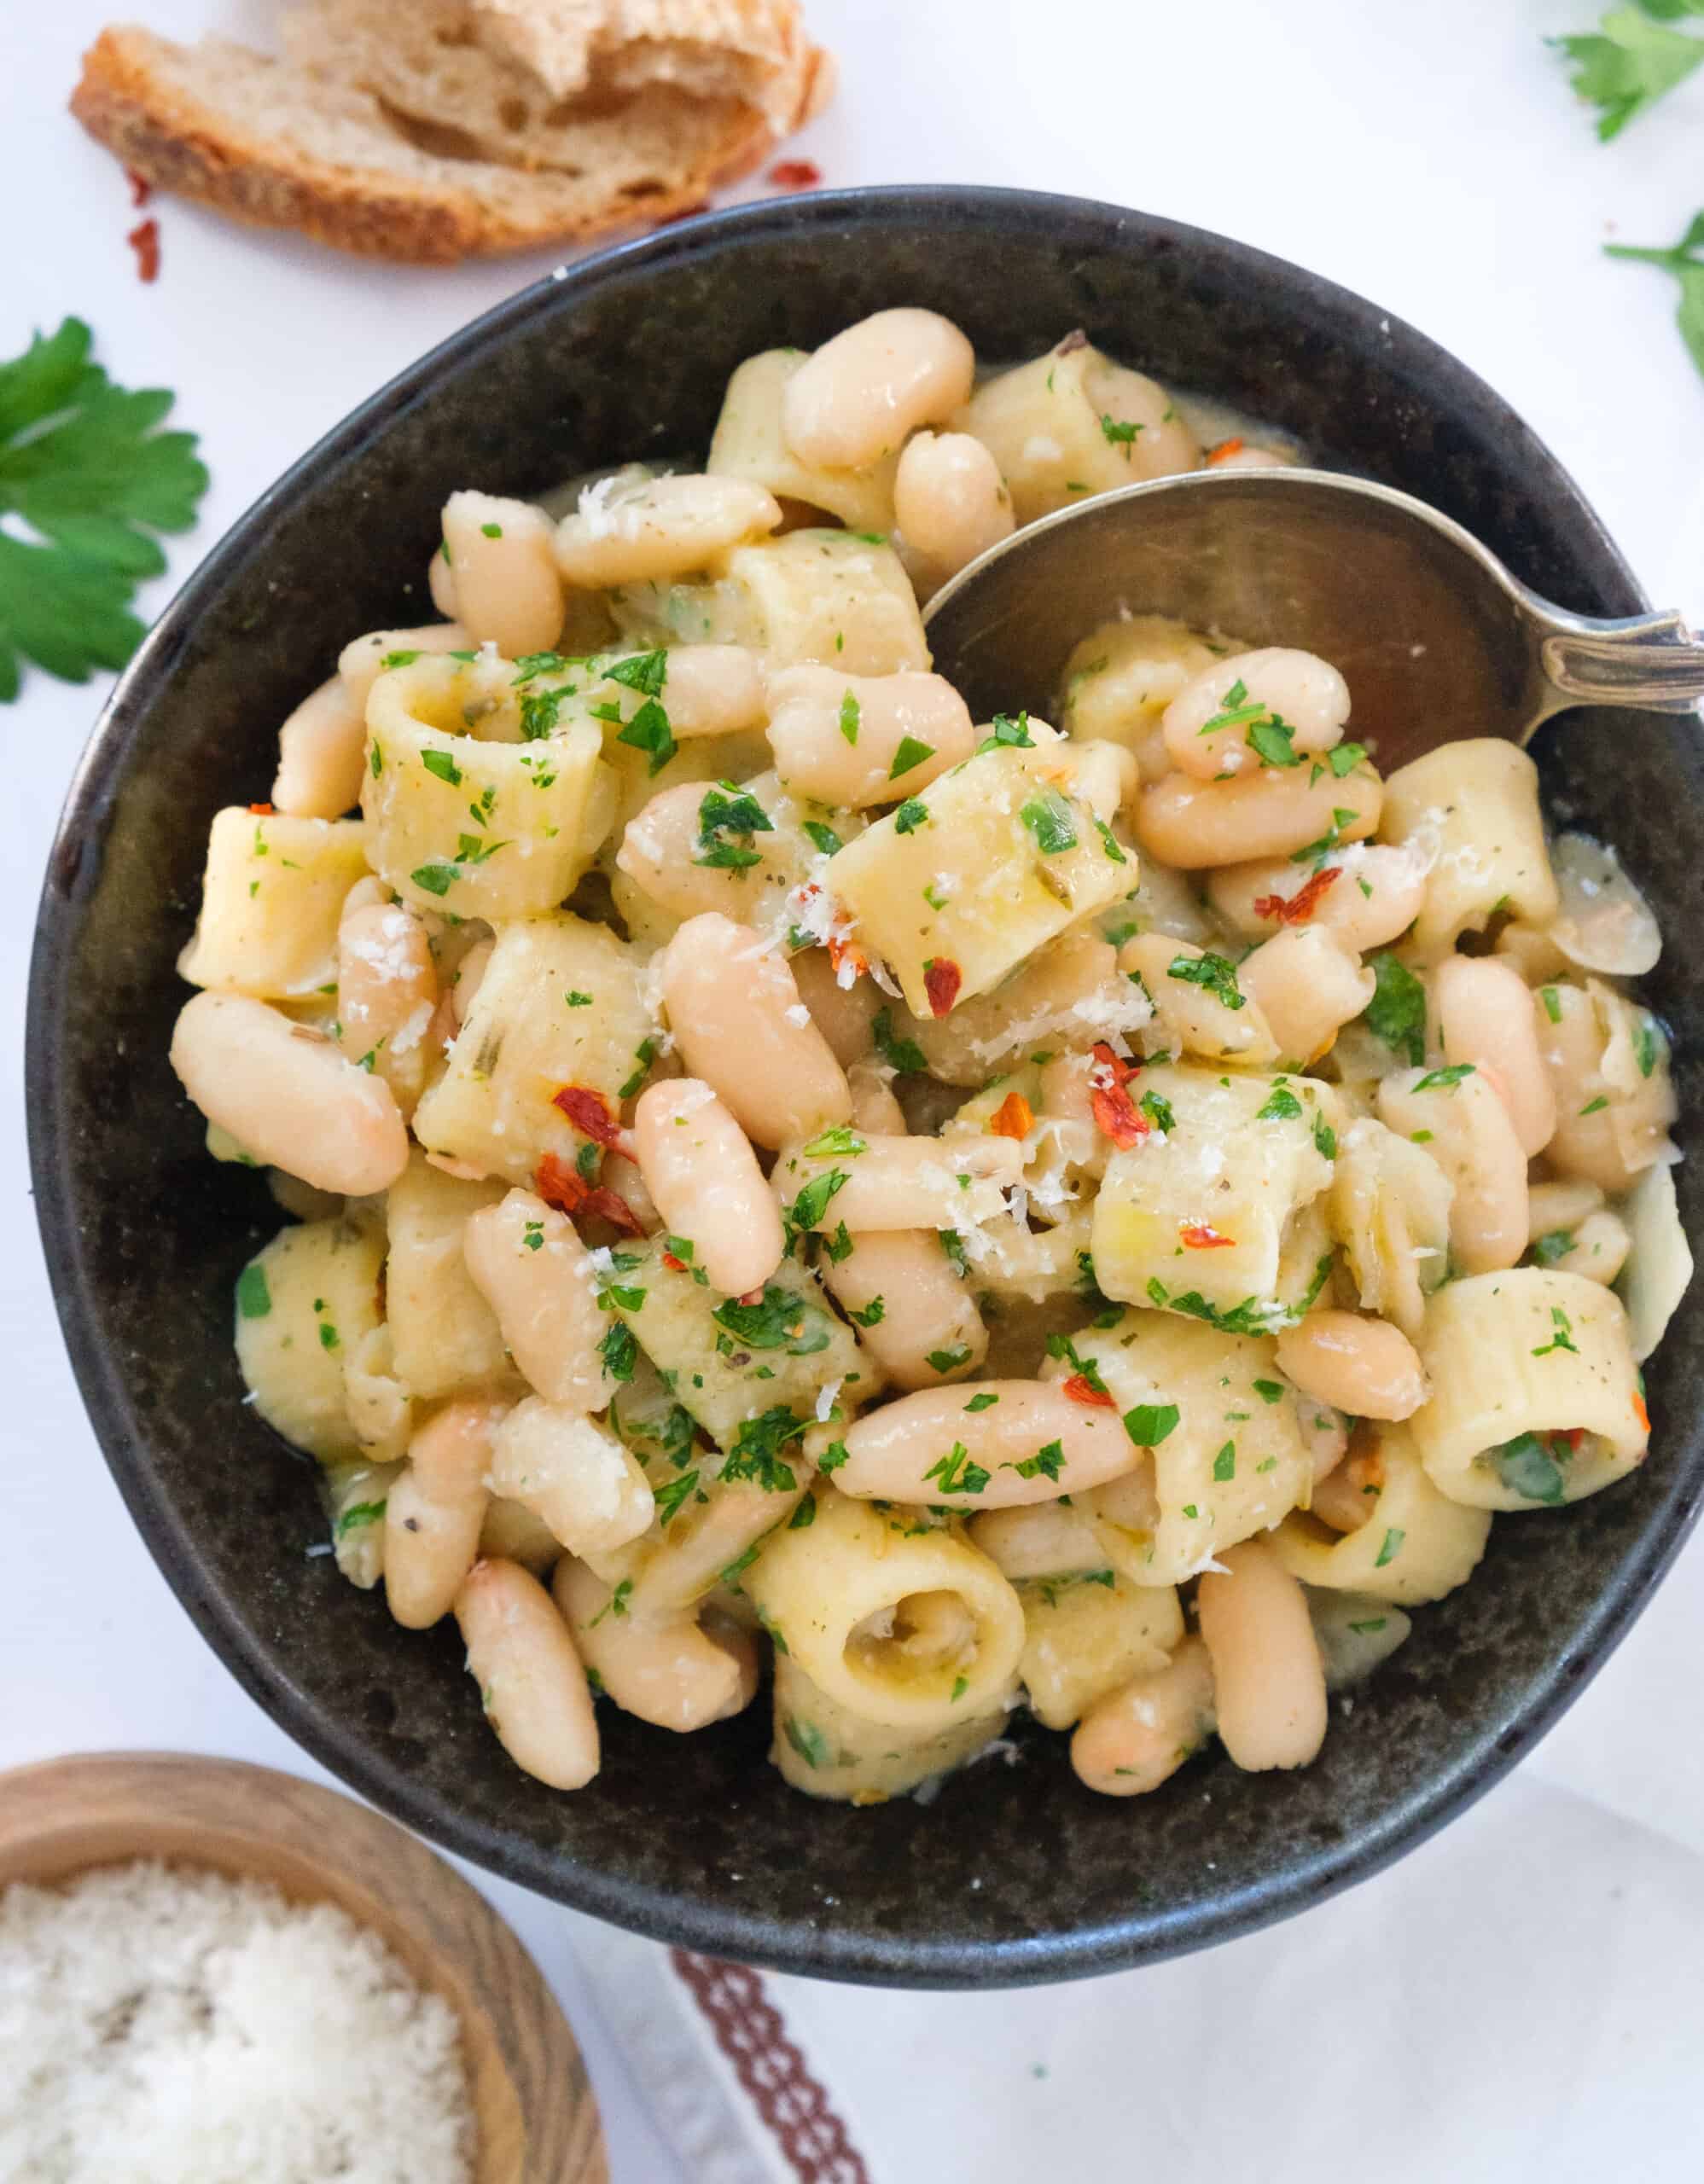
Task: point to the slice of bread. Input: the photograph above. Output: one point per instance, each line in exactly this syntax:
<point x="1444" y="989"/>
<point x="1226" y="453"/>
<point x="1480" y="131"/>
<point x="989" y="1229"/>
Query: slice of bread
<point x="750" y="49"/>
<point x="282" y="146"/>
<point x="439" y="83"/>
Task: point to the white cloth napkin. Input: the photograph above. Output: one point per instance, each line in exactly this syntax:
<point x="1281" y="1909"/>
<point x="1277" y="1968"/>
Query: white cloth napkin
<point x="1518" y="2002"/>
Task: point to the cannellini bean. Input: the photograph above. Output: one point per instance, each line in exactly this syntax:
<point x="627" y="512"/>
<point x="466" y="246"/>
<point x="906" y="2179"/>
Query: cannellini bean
<point x="1325" y="1435"/>
<point x="387" y="992"/>
<point x="922" y="1311"/>
<point x="703" y="1177"/>
<point x="468" y="973"/>
<point x="507" y="591"/>
<point x="862" y="394"/>
<point x="1307" y="986"/>
<point x="1193" y="825"/>
<point x="362" y="660"/>
<point x="1285" y="689"/>
<point x="527" y="1262"/>
<point x="1194" y="1017"/>
<point x="1374" y="894"/>
<point x="1599" y="1249"/>
<point x="908" y="1182"/>
<point x="1047" y="1539"/>
<point x="1066" y="992"/>
<point x="926" y="1446"/>
<point x="533" y="1687"/>
<point x="1347" y="1496"/>
<point x="843" y="1014"/>
<point x="679" y="1671"/>
<point x="662" y="851"/>
<point x="875" y="1109"/>
<point x="1485" y="1016"/>
<point x="440" y="581"/>
<point x="1466" y="1129"/>
<point x="1550" y="1206"/>
<point x="1365" y="1366"/>
<point x="1139" y="1735"/>
<point x="735" y="1014"/>
<point x="1104" y="775"/>
<point x="1269" y="1682"/>
<point x="435" y="1510"/>
<point x="665" y="527"/>
<point x="572" y="1474"/>
<point x="321" y="752"/>
<point x="714" y="690"/>
<point x="288" y="1095"/>
<point x="949" y="501"/>
<point x="838" y="738"/>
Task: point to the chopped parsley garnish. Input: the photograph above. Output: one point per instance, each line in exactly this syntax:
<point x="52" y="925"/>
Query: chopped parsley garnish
<point x="1281" y="1106"/>
<point x="1048" y="818"/>
<point x="1553" y="1247"/>
<point x="955" y="1472"/>
<point x="953" y="1245"/>
<point x="808" y="1208"/>
<point x="728" y="809"/>
<point x="1561" y="1334"/>
<point x="832" y="1144"/>
<point x="441" y="764"/>
<point x="358" y="1514"/>
<point x="1224" y="1463"/>
<point x="833" y="1456"/>
<point x="1390" y="1546"/>
<point x="1594" y="1107"/>
<point x="800" y="1521"/>
<point x="911" y="813"/>
<point x="851" y="713"/>
<point x="1645" y="1046"/>
<point x="807" y="1741"/>
<point x="1315" y="853"/>
<point x="1149" y="1423"/>
<point x="1159" y="1111"/>
<point x="254" y="1297"/>
<point x="1344" y="760"/>
<point x="1445" y="1079"/>
<point x="1271" y="741"/>
<point x="1217" y="974"/>
<point x="1683" y="261"/>
<point x="619" y="1352"/>
<point x="616" y="1605"/>
<point x="1009" y="731"/>
<point x="1324" y="1138"/>
<point x="644" y="671"/>
<point x="643" y="1054"/>
<point x="649" y="731"/>
<point x="669" y="1498"/>
<point x="949" y="1360"/>
<point x="1527" y="1465"/>
<point x="1397" y="1012"/>
<point x="911" y="753"/>
<point x="822" y="838"/>
<point x="872" y="1316"/>
<point x="756" y="1453"/>
<point x="1117" y="434"/>
<point x="1109" y="840"/>
<point x="780" y="1319"/>
<point x="984" y="1402"/>
<point x="898" y="1052"/>
<point x="1552" y="1003"/>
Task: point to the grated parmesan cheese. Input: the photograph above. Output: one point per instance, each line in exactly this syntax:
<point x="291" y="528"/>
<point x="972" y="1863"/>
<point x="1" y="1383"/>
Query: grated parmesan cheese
<point x="165" y="2025"/>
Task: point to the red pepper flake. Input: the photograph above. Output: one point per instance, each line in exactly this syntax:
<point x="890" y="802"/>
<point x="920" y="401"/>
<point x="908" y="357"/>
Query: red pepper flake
<point x="261" y="810"/>
<point x="1200" y="1237"/>
<point x="1016" y="1117"/>
<point x="1081" y="1389"/>
<point x="1224" y="451"/>
<point x="942" y="980"/>
<point x="846" y="951"/>
<point x="141" y="187"/>
<point x="1574" y="1435"/>
<point x="1116" y="1114"/>
<point x="1297" y="908"/>
<point x="675" y="1265"/>
<point x="559" y="1186"/>
<point x="589" y="1113"/>
<point x="796" y="174"/>
<point x="1642" y="1414"/>
<point x="144" y="241"/>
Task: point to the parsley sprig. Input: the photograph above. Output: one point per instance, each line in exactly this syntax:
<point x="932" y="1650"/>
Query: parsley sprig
<point x="1631" y="61"/>
<point x="83" y="464"/>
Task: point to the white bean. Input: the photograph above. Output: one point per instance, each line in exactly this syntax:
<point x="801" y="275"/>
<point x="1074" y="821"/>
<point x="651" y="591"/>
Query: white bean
<point x="288" y="1095"/>
<point x="434" y="1512"/>
<point x="923" y="1312"/>
<point x="681" y="1671"/>
<point x="1550" y="1206"/>
<point x="1193" y="1017"/>
<point x="1139" y="1735"/>
<point x="1365" y="1366"/>
<point x="700" y="1169"/>
<point x="714" y="690"/>
<point x="1485" y="1017"/>
<point x="949" y="501"/>
<point x="507" y="591"/>
<point x="907" y="1182"/>
<point x="666" y="527"/>
<point x="838" y="738"/>
<point x="533" y="1687"/>
<point x="862" y="394"/>
<point x="934" y="1447"/>
<point x="1374" y="894"/>
<point x="387" y="992"/>
<point x="362" y="660"/>
<point x="875" y="1109"/>
<point x="843" y="1014"/>
<point x="322" y="755"/>
<point x="734" y="1012"/>
<point x="1192" y="825"/>
<point x="527" y="1262"/>
<point x="1466" y="1129"/>
<point x="1269" y="1682"/>
<point x="1307" y="986"/>
<point x="1285" y="689"/>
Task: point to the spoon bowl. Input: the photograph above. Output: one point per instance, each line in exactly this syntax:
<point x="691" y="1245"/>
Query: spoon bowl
<point x="1433" y="634"/>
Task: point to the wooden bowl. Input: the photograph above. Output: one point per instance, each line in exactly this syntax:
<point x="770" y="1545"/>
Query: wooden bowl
<point x="537" y="2118"/>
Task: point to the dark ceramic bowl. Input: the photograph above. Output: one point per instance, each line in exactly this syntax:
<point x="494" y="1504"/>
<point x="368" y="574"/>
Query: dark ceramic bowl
<point x="1015" y="1873"/>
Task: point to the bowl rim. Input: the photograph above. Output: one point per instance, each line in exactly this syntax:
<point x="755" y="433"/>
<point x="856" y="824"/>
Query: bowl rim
<point x="722" y="1928"/>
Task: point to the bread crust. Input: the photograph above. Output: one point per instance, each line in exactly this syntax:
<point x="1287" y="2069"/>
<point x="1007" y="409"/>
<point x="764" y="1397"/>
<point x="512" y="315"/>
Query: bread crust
<point x="186" y="144"/>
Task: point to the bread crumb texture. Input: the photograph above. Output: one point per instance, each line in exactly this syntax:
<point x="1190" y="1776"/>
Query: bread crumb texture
<point x="171" y="2025"/>
<point x="447" y="129"/>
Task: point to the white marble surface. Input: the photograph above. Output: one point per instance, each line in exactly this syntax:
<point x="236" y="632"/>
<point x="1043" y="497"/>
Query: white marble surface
<point x="1431" y="159"/>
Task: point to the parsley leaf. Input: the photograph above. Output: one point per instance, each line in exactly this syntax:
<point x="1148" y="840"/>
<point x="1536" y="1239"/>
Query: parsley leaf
<point x="898" y="1052"/>
<point x="1011" y="730"/>
<point x="1527" y="1467"/>
<point x="780" y="1319"/>
<point x="911" y="813"/>
<point x="82" y="464"/>
<point x="649" y="731"/>
<point x="822" y="838"/>
<point x="1216" y="973"/>
<point x="1397" y="1011"/>
<point x="956" y="1473"/>
<point x="1445" y="1079"/>
<point x="1149" y="1423"/>
<point x="912" y="753"/>
<point x="756" y="1453"/>
<point x="645" y="672"/>
<point x="1688" y="268"/>
<point x="1281" y="1106"/>
<point x="851" y="713"/>
<point x="1048" y="818"/>
<point x="1627" y="64"/>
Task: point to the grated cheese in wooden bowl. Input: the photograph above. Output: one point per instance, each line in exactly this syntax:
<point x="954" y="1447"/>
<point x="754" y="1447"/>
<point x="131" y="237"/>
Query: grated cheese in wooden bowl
<point x="164" y="2025"/>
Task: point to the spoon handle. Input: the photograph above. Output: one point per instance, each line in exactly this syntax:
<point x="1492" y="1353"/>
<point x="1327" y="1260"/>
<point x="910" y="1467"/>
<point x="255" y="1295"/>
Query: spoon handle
<point x="1650" y="660"/>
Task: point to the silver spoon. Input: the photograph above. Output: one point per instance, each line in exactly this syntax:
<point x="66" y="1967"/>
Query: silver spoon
<point x="1435" y="636"/>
